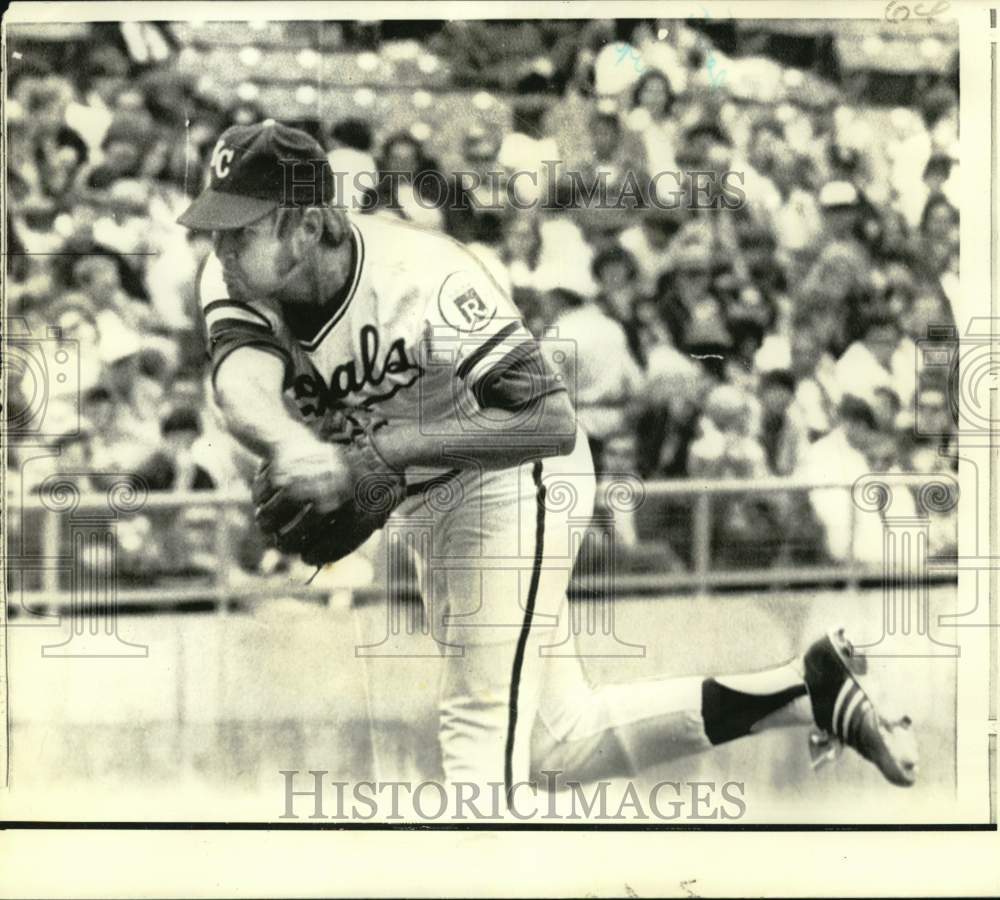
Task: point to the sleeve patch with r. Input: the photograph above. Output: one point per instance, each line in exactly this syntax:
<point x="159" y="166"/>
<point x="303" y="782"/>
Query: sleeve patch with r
<point x="463" y="307"/>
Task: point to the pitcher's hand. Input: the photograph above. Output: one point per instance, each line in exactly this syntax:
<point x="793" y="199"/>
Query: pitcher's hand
<point x="311" y="470"/>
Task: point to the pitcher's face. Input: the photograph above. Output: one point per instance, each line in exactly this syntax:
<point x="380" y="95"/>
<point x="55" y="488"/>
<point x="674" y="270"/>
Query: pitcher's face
<point x="254" y="259"/>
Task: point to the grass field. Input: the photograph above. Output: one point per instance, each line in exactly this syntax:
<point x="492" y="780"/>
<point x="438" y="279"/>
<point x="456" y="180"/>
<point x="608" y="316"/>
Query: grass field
<point x="201" y="728"/>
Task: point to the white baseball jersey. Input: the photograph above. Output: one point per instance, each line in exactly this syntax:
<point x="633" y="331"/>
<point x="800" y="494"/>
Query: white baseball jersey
<point x="419" y="329"/>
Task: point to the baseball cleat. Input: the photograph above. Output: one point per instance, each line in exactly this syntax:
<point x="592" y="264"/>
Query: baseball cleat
<point x="845" y="714"/>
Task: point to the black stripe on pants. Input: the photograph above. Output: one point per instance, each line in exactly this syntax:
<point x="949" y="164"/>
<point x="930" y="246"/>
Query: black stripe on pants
<point x="522" y="640"/>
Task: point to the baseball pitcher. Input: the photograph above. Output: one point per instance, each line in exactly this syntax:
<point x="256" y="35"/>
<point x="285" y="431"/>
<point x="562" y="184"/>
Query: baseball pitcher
<point x="366" y="361"/>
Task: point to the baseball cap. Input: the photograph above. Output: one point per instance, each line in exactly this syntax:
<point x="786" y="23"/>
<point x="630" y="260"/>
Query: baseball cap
<point x="253" y="171"/>
<point x="836" y="194"/>
<point x="857" y="409"/>
<point x="939" y="163"/>
<point x="130" y="127"/>
<point x="780" y="377"/>
<point x="706" y="128"/>
<point x="183" y="418"/>
<point x="692" y="257"/>
<point x="609" y="256"/>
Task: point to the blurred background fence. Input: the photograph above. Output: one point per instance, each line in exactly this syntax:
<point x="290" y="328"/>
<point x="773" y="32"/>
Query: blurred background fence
<point x="128" y="549"/>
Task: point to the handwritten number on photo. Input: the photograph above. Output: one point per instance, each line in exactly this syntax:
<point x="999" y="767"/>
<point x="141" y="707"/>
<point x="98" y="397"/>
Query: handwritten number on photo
<point x="716" y="78"/>
<point x="940" y="6"/>
<point x="900" y="12"/>
<point x="628" y="50"/>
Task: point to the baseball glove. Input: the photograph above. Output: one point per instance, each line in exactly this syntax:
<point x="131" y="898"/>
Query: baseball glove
<point x="324" y="537"/>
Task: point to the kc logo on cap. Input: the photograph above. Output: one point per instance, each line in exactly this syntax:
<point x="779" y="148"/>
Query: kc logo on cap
<point x="222" y="156"/>
<point x="253" y="170"/>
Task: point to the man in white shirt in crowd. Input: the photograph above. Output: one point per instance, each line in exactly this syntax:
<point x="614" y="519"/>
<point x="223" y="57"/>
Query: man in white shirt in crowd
<point x="842" y="209"/>
<point x="856" y="447"/>
<point x="601" y="375"/>
<point x="804" y="353"/>
<point x="649" y="243"/>
<point x="352" y="162"/>
<point x="876" y="362"/>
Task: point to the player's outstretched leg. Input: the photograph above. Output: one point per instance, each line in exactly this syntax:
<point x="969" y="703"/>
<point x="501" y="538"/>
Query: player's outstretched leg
<point x="590" y="733"/>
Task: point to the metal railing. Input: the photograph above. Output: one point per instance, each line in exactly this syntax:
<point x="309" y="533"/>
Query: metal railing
<point x="705" y="493"/>
<point x="91" y="517"/>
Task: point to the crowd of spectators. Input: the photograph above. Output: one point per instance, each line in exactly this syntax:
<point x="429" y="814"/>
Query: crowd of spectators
<point x="774" y="336"/>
